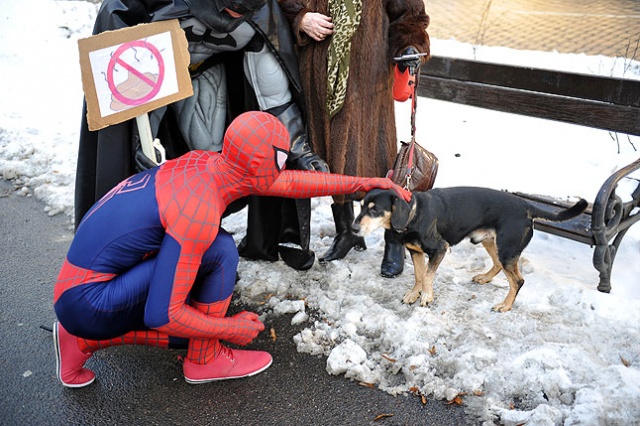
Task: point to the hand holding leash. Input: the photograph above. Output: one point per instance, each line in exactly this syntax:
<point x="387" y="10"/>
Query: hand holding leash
<point x="411" y="59"/>
<point x="405" y="73"/>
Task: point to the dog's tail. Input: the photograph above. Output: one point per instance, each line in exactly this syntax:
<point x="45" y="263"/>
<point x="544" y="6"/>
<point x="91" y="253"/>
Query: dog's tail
<point x="562" y="215"/>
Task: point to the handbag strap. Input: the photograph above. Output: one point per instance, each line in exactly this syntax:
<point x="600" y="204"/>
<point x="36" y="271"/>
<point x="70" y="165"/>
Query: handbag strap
<point x="414" y="101"/>
<point x="413" y="132"/>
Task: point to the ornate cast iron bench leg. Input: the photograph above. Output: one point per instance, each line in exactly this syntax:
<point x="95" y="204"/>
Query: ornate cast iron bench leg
<point x="611" y="219"/>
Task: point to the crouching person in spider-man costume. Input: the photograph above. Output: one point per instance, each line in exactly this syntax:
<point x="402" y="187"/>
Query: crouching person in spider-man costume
<point x="150" y="265"/>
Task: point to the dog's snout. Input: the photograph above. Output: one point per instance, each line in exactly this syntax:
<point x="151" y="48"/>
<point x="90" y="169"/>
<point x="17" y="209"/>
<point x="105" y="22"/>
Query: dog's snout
<point x="355" y="226"/>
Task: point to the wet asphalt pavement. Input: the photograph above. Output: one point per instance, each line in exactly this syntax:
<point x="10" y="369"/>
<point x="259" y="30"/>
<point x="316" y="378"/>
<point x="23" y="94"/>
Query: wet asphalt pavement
<point x="144" y="386"/>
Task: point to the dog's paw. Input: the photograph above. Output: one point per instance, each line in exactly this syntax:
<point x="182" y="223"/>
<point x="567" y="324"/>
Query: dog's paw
<point x="426" y="299"/>
<point x="410" y="297"/>
<point x="481" y="279"/>
<point x="501" y="307"/>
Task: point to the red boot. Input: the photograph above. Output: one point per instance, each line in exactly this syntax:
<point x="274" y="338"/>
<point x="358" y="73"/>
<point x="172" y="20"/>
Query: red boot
<point x="228" y="364"/>
<point x="70" y="359"/>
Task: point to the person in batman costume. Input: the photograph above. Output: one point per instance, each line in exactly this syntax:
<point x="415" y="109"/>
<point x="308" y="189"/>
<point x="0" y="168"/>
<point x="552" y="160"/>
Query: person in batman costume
<point x="227" y="39"/>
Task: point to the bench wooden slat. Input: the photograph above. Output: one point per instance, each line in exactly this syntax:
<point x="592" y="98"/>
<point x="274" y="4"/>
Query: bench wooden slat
<point x="617" y="91"/>
<point x="612" y="117"/>
<point x="576" y="229"/>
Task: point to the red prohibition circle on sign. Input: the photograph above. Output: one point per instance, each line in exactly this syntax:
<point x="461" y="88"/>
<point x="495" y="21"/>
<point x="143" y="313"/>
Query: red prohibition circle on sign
<point x="155" y="85"/>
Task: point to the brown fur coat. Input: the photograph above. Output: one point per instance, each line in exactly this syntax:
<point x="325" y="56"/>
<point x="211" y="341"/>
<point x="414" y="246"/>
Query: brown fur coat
<point x="360" y="140"/>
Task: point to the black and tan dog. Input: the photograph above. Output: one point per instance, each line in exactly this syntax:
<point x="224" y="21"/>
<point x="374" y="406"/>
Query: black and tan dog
<point x="439" y="218"/>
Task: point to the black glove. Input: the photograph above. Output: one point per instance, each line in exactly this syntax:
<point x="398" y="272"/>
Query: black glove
<point x="413" y="63"/>
<point x="142" y="161"/>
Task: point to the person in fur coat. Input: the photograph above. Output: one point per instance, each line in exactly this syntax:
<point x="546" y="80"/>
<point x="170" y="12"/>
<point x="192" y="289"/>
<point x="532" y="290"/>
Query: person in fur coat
<point x="345" y="57"/>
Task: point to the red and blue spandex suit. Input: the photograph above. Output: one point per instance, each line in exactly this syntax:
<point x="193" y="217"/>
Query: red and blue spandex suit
<point x="149" y="260"/>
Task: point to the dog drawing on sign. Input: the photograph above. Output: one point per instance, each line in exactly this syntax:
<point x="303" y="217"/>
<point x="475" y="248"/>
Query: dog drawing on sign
<point x="440" y="218"/>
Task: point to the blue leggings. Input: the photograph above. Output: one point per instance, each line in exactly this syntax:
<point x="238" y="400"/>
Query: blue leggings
<point x="105" y="310"/>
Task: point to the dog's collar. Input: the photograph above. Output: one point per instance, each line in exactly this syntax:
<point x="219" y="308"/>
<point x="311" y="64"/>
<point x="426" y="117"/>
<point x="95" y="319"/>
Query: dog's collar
<point x="413" y="204"/>
<point x="414" y="207"/>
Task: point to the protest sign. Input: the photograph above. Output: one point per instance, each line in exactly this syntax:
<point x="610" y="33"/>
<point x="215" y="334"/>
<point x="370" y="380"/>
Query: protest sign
<point x="131" y="71"/>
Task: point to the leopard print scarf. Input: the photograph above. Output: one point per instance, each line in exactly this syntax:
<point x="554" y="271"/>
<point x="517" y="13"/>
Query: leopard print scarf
<point x="346" y="16"/>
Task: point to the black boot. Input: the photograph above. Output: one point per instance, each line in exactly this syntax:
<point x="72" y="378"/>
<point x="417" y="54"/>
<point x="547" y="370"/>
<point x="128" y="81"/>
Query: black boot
<point x="296" y="229"/>
<point x="266" y="219"/>
<point x="345" y="238"/>
<point x="393" y="259"/>
<point x="263" y="228"/>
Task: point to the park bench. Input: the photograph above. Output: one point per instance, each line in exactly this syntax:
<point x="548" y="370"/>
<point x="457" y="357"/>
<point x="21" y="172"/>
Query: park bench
<point x="611" y="104"/>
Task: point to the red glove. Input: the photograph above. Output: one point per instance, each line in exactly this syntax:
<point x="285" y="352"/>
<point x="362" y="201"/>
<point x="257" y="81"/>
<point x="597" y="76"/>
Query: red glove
<point x="403" y="193"/>
<point x="383" y="183"/>
<point x="243" y="328"/>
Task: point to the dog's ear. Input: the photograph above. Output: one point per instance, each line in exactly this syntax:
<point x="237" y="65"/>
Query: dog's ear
<point x="399" y="213"/>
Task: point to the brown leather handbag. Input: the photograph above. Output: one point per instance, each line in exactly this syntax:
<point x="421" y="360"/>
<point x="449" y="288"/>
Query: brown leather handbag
<point x="415" y="168"/>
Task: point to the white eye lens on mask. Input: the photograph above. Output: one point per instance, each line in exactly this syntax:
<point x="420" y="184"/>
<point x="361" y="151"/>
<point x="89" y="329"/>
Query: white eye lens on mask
<point x="281" y="158"/>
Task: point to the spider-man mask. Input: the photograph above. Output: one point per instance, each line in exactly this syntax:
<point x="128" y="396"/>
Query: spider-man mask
<point x="256" y="147"/>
